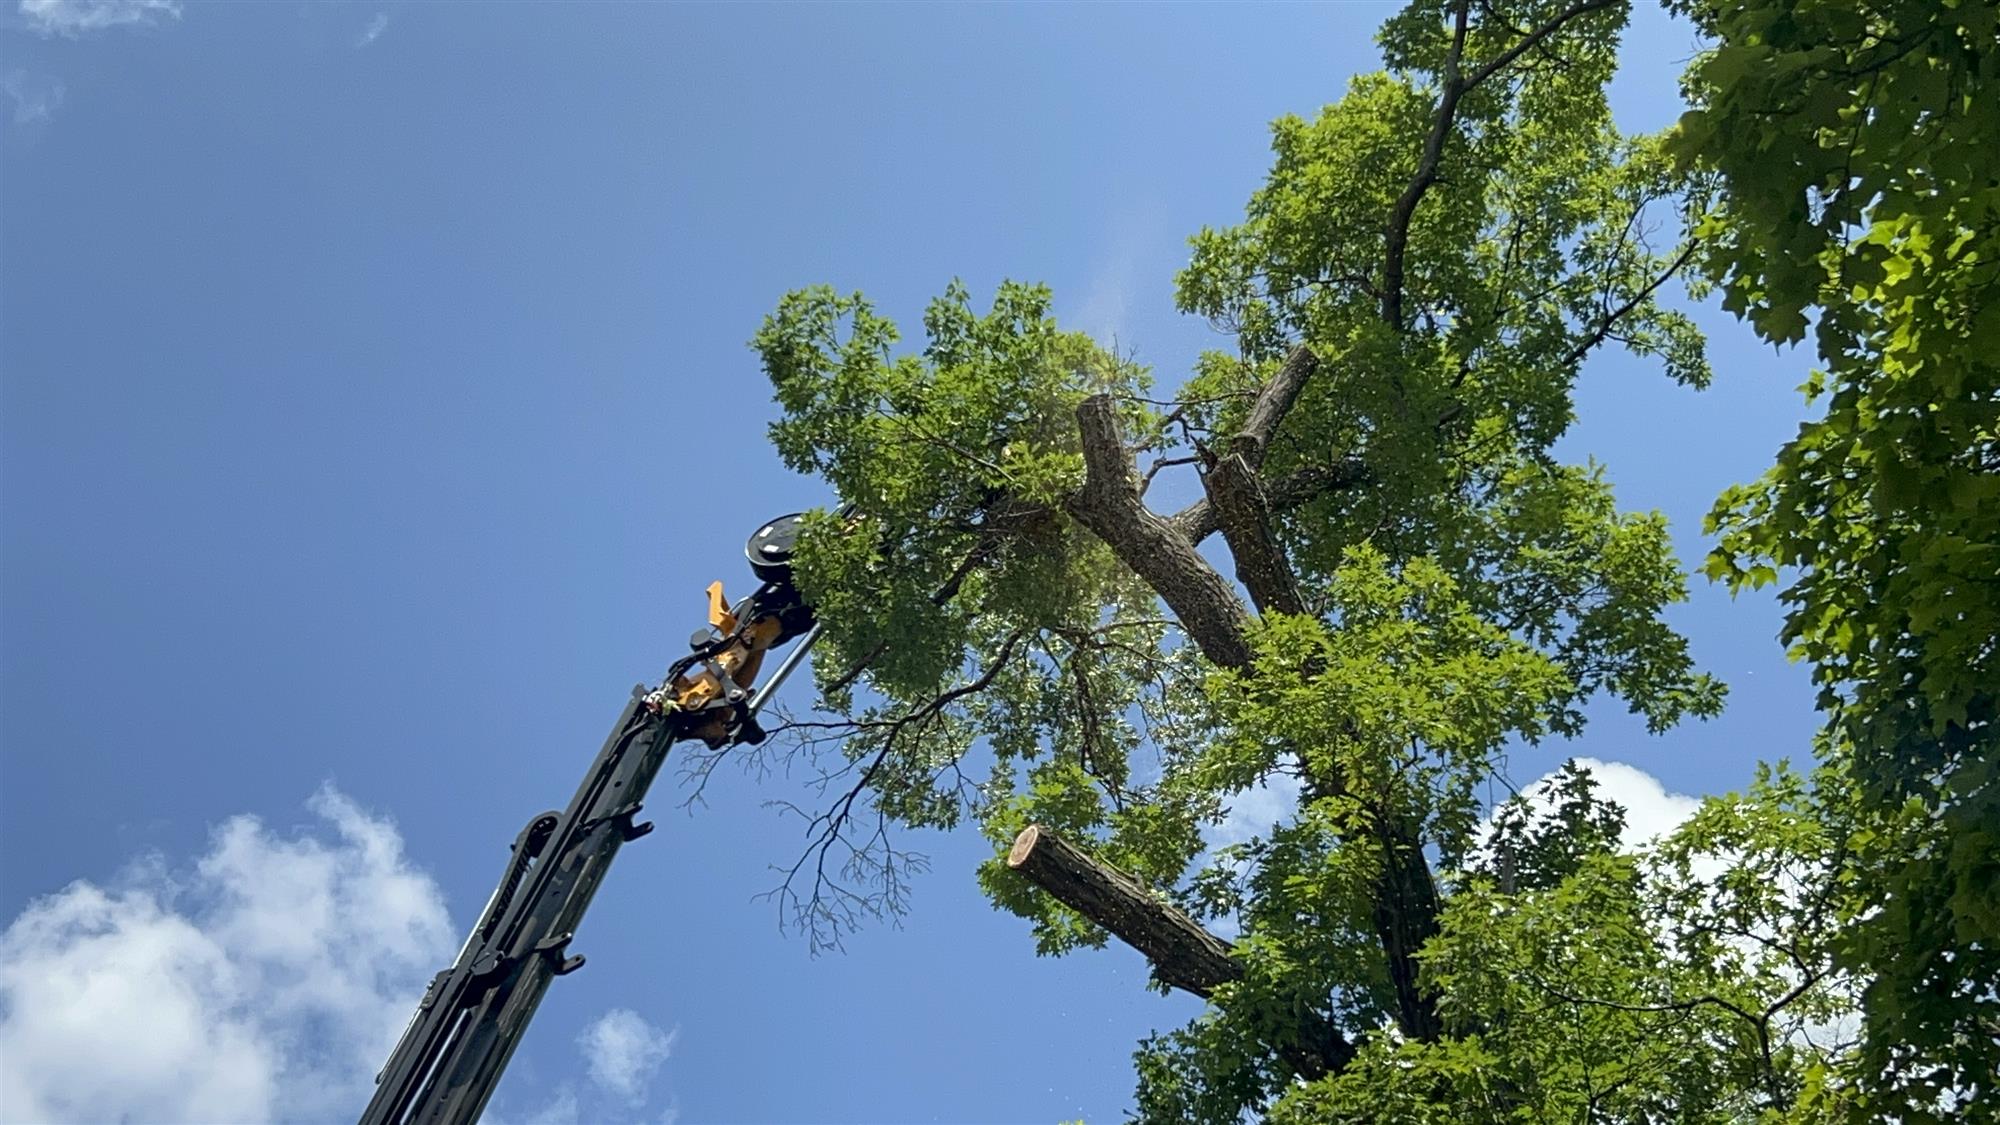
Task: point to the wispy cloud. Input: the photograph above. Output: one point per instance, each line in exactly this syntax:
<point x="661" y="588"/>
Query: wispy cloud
<point x="34" y="96"/>
<point x="1123" y="265"/>
<point x="560" y="1109"/>
<point x="266" y="982"/>
<point x="374" y="30"/>
<point x="78" y="17"/>
<point x="623" y="1051"/>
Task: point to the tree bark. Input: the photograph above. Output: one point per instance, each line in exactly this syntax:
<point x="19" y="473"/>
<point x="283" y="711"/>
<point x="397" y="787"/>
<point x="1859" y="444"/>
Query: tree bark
<point x="1243" y="512"/>
<point x="1240" y="502"/>
<point x="1184" y="955"/>
<point x="1272" y="404"/>
<point x="1109" y="505"/>
<point x="1198" y="520"/>
<point x="1406" y="916"/>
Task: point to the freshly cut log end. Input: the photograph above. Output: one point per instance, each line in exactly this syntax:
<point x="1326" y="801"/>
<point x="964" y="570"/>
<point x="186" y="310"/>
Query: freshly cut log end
<point x="1023" y="845"/>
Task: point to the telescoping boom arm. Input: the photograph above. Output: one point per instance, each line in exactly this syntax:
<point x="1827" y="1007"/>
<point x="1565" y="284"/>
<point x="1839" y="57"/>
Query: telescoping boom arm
<point x="474" y="1013"/>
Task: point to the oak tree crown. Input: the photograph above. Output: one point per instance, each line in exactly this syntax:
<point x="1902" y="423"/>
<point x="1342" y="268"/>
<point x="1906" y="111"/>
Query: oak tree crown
<point x="1016" y="636"/>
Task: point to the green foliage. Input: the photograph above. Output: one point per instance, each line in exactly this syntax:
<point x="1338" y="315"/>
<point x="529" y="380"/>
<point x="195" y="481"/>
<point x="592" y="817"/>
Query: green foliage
<point x="971" y="612"/>
<point x="1856" y="144"/>
<point x="1686" y="982"/>
<point x="1450" y="241"/>
<point x="923" y="446"/>
<point x="1404" y="700"/>
<point x="1534" y="849"/>
<point x="1521" y="261"/>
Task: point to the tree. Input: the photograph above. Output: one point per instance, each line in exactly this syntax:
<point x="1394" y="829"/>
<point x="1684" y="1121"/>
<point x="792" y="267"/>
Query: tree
<point x="1855" y="143"/>
<point x="1015" y="638"/>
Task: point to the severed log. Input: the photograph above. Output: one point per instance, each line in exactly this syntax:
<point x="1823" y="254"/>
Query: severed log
<point x="1183" y="954"/>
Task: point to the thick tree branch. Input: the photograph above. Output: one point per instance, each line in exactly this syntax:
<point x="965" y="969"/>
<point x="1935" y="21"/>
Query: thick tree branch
<point x="1184" y="955"/>
<point x="1243" y="512"/>
<point x="1246" y="501"/>
<point x="1274" y="401"/>
<point x="1406" y="916"/>
<point x="1109" y="505"/>
<point x="1397" y="244"/>
<point x="1199" y="520"/>
<point x="1405" y="903"/>
<point x="1237" y="495"/>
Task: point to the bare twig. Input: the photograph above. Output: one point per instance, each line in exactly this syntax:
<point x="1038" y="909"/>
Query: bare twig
<point x="1603" y="331"/>
<point x="831" y="906"/>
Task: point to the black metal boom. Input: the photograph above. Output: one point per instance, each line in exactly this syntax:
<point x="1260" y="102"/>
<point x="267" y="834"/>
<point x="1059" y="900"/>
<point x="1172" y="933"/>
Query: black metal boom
<point x="474" y="1013"/>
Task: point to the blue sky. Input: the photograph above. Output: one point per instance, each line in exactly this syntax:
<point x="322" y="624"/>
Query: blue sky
<point x="374" y="406"/>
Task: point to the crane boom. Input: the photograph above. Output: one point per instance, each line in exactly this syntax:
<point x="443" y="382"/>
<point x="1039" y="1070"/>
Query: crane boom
<point x="473" y="1014"/>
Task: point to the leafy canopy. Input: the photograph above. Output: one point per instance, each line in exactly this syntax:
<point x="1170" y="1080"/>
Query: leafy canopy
<point x="1856" y="143"/>
<point x="1415" y="588"/>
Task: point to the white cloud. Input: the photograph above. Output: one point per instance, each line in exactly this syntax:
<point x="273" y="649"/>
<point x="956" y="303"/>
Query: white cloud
<point x="1650" y="811"/>
<point x="34" y="96"/>
<point x="623" y="1051"/>
<point x="1250" y="814"/>
<point x="374" y="30"/>
<point x="76" y="17"/>
<point x="267" y="982"/>
<point x="1257" y="810"/>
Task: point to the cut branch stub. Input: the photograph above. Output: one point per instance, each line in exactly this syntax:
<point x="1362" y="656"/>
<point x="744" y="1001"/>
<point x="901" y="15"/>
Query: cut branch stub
<point x="1236" y="491"/>
<point x="1109" y="505"/>
<point x="1243" y="512"/>
<point x="1183" y="954"/>
<point x="1199" y="520"/>
<point x="1273" y="403"/>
